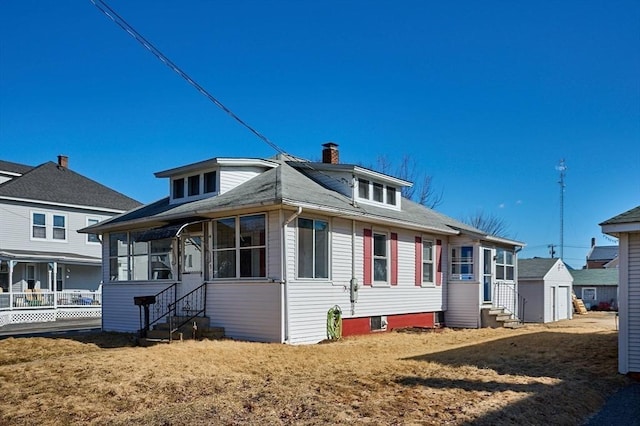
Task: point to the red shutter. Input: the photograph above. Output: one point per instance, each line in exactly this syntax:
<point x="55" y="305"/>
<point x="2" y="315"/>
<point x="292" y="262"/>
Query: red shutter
<point x="438" y="262"/>
<point x="368" y="264"/>
<point x="394" y="258"/>
<point x="418" y="261"/>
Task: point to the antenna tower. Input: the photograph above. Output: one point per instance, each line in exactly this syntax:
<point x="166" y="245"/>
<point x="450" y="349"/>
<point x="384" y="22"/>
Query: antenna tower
<point x="562" y="168"/>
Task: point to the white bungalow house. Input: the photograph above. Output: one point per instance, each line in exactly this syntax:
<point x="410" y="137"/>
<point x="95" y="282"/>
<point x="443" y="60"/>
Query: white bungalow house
<point x="626" y="227"/>
<point x="546" y="284"/>
<point x="48" y="270"/>
<point x="267" y="248"/>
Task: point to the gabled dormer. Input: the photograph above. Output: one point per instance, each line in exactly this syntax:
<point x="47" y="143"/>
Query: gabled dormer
<point x="361" y="184"/>
<point x="211" y="177"/>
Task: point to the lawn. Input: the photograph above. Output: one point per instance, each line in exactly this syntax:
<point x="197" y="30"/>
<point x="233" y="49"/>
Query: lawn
<point x="538" y="374"/>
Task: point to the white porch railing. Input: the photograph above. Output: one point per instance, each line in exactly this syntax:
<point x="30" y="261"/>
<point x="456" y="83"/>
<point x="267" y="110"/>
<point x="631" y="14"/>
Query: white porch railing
<point x="50" y="299"/>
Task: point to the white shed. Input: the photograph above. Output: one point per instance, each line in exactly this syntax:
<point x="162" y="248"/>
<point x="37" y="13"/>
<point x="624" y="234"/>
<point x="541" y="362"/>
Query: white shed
<point x="546" y="285"/>
<point x="626" y="227"/>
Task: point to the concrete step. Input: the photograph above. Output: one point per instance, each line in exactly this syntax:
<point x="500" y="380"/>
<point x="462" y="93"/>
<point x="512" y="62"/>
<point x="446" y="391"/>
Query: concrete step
<point x="512" y="324"/>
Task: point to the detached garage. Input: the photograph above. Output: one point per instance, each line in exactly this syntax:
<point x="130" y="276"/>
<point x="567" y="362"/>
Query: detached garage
<point x="546" y="285"/>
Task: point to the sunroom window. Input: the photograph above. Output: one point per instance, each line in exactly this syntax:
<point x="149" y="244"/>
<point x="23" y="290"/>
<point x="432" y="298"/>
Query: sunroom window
<point x="504" y="264"/>
<point x="239" y="247"/>
<point x="138" y="260"/>
<point x="462" y="263"/>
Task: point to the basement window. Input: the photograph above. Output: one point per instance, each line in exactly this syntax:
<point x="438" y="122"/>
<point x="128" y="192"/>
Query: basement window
<point x="378" y="323"/>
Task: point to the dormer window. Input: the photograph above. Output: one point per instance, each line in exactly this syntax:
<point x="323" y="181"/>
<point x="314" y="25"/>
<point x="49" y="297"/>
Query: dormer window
<point x="194" y="185"/>
<point x="178" y="188"/>
<point x="378" y="192"/>
<point x="391" y="195"/>
<point x="209" y="182"/>
<point x="363" y="189"/>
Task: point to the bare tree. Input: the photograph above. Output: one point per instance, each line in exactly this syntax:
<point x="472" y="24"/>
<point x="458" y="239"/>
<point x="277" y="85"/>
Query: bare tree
<point x="422" y="191"/>
<point x="489" y="223"/>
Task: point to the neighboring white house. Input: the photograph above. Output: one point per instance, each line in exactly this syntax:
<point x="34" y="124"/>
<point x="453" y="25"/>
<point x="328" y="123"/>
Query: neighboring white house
<point x="41" y="254"/>
<point x="546" y="285"/>
<point x="626" y="227"/>
<point x="271" y="246"/>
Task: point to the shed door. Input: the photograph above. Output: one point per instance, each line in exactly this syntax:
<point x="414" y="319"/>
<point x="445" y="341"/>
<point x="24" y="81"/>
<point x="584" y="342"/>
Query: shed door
<point x="563" y="303"/>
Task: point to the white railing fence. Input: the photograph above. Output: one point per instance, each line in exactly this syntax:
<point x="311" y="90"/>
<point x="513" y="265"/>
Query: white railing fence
<point x="38" y="299"/>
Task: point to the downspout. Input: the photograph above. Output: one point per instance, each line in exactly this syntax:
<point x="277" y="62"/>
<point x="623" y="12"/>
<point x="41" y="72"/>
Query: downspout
<point x="353" y="281"/>
<point x="284" y="288"/>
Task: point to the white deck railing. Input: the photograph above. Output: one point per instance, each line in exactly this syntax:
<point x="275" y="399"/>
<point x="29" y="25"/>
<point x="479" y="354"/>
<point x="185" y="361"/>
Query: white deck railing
<point x="39" y="299"/>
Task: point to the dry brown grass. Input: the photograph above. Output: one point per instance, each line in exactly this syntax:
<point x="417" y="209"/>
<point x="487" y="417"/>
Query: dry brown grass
<point x="534" y="375"/>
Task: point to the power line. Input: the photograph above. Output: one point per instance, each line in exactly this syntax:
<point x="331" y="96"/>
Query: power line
<point x="113" y="15"/>
<point x="122" y="23"/>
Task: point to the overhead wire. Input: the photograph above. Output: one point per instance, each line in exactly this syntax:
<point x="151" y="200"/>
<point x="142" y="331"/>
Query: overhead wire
<point x="106" y="10"/>
<point x="122" y="23"/>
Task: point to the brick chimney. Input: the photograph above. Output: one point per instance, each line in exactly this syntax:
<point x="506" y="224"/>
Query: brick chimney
<point x="63" y="161"/>
<point x="330" y="153"/>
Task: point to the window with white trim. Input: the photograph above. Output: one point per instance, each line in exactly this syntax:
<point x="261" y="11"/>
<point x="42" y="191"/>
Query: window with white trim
<point x="589" y="294"/>
<point x="380" y="258"/>
<point x="363" y="189"/>
<point x="427" y="262"/>
<point x="92" y="238"/>
<point x="462" y="263"/>
<point x="59" y="227"/>
<point x="313" y="248"/>
<point x="239" y="247"/>
<point x="504" y="264"/>
<point x="39" y="225"/>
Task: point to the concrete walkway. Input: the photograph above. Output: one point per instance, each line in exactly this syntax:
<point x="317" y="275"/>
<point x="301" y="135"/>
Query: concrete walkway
<point x="81" y="325"/>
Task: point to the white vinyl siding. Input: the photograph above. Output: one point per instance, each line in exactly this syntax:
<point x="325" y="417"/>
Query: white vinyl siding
<point x="16" y="230"/>
<point x="230" y="177"/>
<point x="246" y="310"/>
<point x="633" y="309"/>
<point x="309" y="300"/>
<point x="118" y="310"/>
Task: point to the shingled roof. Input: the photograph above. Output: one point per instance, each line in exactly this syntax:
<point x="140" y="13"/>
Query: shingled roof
<point x="535" y="268"/>
<point x="630" y="216"/>
<point x="8" y="166"/>
<point x="285" y="185"/>
<point x="56" y="184"/>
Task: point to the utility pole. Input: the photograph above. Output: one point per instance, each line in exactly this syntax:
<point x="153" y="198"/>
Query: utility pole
<point x="562" y="169"/>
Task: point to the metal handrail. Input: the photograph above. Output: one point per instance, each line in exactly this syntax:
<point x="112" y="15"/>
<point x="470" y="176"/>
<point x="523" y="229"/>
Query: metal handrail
<point x="162" y="307"/>
<point x="192" y="304"/>
<point x="511" y="298"/>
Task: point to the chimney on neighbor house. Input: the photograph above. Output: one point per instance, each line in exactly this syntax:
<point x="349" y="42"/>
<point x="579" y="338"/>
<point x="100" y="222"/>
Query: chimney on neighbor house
<point x="63" y="161"/>
<point x="330" y="153"/>
<point x="593" y="242"/>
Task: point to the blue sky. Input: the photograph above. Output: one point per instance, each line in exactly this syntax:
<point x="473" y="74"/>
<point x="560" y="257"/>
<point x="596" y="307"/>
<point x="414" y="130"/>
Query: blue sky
<point x="486" y="96"/>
